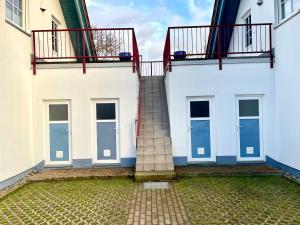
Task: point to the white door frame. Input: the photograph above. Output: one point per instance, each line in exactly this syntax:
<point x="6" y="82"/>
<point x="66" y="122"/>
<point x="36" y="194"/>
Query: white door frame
<point x="94" y="131"/>
<point x="47" y="131"/>
<point x="260" y="118"/>
<point x="211" y="100"/>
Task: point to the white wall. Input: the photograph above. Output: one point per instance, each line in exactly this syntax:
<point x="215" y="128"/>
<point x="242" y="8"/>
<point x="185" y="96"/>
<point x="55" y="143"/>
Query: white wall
<point x="206" y="80"/>
<point x="15" y="95"/>
<point x="260" y="14"/>
<point x="264" y="13"/>
<point x="71" y="84"/>
<point x="287" y="92"/>
<point x="15" y="99"/>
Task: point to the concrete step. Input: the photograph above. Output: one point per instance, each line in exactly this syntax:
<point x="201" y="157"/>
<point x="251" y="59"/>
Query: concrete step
<point x="155" y="126"/>
<point x="161" y="120"/>
<point x="140" y="167"/>
<point x="153" y="141"/>
<point x="152" y="149"/>
<point x="152" y="122"/>
<point x="154" y="116"/>
<point x="153" y="129"/>
<point x="155" y="176"/>
<point x="153" y="103"/>
<point x="163" y="112"/>
<point x="152" y="92"/>
<point x="144" y="159"/>
<point x="154" y="158"/>
<point x="151" y="108"/>
<point x="168" y="155"/>
<point x="150" y="84"/>
<point x="156" y="134"/>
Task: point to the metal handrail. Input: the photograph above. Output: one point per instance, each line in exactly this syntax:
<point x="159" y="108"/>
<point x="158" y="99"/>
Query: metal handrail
<point x="218" y="41"/>
<point x="64" y="45"/>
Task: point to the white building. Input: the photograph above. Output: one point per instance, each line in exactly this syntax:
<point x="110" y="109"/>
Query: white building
<point x="232" y="99"/>
<point x="53" y="118"/>
<point x="247" y="111"/>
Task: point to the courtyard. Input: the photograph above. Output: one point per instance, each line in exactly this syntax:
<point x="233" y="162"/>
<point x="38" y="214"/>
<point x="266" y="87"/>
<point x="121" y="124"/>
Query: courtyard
<point x="260" y="199"/>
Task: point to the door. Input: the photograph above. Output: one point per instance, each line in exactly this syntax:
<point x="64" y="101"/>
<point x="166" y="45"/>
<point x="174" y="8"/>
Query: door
<point x="250" y="129"/>
<point x="58" y="126"/>
<point x="200" y="130"/>
<point x="106" y="132"/>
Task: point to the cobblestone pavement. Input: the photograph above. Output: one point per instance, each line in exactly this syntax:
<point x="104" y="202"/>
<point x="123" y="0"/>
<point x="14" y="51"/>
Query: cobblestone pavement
<point x="241" y="200"/>
<point x="216" y="200"/>
<point x="69" y="202"/>
<point x="157" y="206"/>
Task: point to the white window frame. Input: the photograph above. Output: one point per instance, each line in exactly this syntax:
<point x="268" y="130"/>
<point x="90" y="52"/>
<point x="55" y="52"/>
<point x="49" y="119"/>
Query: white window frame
<point x="54" y="35"/>
<point x="281" y="6"/>
<point x="279" y="10"/>
<point x="248" y="32"/>
<point x="247" y="39"/>
<point x="94" y="131"/>
<point x="261" y="129"/>
<point x="211" y="118"/>
<point x="47" y="132"/>
<point x="11" y="2"/>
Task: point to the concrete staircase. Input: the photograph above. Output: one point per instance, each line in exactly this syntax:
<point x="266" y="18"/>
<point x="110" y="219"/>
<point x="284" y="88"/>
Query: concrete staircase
<point x="154" y="160"/>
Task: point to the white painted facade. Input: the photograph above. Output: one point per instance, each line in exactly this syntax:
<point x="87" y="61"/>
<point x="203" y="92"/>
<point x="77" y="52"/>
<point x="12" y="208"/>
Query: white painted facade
<point x="16" y="140"/>
<point x="286" y="73"/>
<point x="24" y="138"/>
<point x="23" y="135"/>
<point x="277" y="87"/>
<point x="223" y="86"/>
<point x="113" y="83"/>
<point x="287" y="93"/>
<point x="264" y="13"/>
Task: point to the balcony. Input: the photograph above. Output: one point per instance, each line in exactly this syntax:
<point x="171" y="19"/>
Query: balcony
<point x="84" y="46"/>
<point x="217" y="42"/>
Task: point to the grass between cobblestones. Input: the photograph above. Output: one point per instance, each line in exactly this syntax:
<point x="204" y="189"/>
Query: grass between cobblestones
<point x="69" y="202"/>
<point x="208" y="200"/>
<point x="241" y="200"/>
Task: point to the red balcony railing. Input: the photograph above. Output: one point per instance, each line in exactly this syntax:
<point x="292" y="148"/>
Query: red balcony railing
<point x="218" y="41"/>
<point x="85" y="45"/>
<point x="151" y="68"/>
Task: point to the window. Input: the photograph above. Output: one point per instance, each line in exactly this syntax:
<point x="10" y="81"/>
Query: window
<point x="106" y="111"/>
<point x="54" y="36"/>
<point x="14" y="11"/>
<point x="58" y="112"/>
<point x="248" y="32"/>
<point x="249" y="107"/>
<point x="287" y="7"/>
<point x="199" y="109"/>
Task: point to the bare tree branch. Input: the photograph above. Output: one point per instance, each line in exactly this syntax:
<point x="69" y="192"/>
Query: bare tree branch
<point x="106" y="42"/>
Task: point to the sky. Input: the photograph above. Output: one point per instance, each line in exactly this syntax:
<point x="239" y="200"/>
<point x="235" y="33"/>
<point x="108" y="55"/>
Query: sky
<point x="149" y="18"/>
